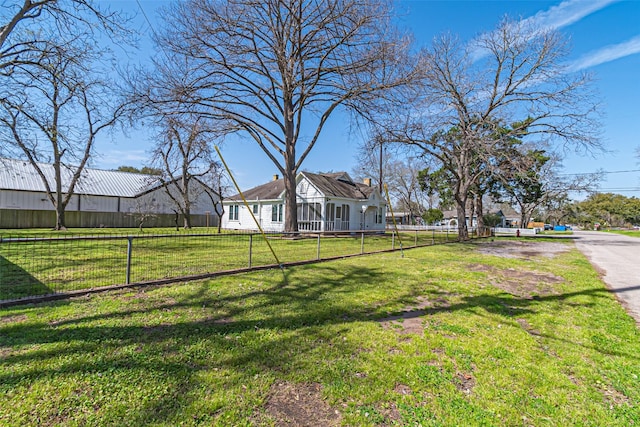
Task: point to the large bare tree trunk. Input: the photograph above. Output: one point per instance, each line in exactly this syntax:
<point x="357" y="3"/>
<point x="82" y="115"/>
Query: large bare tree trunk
<point x="186" y="215"/>
<point x="59" y="204"/>
<point x="290" y="202"/>
<point x="289" y="173"/>
<point x="60" y="221"/>
<point x="480" y="213"/>
<point x="461" y="210"/>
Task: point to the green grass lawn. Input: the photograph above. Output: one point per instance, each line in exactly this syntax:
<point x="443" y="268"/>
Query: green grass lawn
<point x="630" y="233"/>
<point x="38" y="267"/>
<point x="444" y="336"/>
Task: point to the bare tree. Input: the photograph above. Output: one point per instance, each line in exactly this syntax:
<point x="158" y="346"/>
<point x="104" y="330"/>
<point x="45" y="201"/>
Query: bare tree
<point x="508" y="83"/>
<point x="184" y="156"/>
<point x="371" y="162"/>
<point x="404" y="184"/>
<point x="53" y="111"/>
<point x="144" y="210"/>
<point x="276" y="70"/>
<point x="26" y="24"/>
<point x="217" y="180"/>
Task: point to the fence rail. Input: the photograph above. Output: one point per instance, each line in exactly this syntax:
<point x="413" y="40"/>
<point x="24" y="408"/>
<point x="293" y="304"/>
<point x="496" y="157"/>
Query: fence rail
<point x="37" y="266"/>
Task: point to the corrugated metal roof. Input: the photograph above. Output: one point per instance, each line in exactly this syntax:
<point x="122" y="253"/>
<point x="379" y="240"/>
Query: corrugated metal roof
<point x="21" y="175"/>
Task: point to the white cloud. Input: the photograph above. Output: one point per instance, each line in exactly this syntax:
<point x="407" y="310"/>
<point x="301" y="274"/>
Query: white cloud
<point x="607" y="54"/>
<point x="562" y="15"/>
<point x="113" y="158"/>
<point x="566" y="13"/>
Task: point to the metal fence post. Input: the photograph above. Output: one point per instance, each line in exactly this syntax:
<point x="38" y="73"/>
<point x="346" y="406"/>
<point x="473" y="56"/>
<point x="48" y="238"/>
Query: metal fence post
<point x="393" y="240"/>
<point x="318" y="250"/>
<point x="447" y="234"/>
<point x="433" y="236"/>
<point x="415" y="242"/>
<point x="362" y="243"/>
<point x="129" y="251"/>
<point x="250" y="248"/>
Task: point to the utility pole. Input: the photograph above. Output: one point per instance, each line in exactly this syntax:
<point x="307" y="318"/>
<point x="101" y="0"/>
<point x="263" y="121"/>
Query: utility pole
<point x="380" y="176"/>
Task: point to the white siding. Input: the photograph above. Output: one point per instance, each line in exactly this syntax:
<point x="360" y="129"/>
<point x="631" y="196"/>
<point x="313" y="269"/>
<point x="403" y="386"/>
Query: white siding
<point x="158" y="201"/>
<point x="10" y="199"/>
<point x="246" y="222"/>
<point x="96" y="204"/>
<point x="306" y="191"/>
<point x="96" y="191"/>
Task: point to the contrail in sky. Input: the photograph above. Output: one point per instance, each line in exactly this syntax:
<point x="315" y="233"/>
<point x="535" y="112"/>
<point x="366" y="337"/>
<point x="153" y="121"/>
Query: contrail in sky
<point x="607" y="54"/>
<point x="566" y="13"/>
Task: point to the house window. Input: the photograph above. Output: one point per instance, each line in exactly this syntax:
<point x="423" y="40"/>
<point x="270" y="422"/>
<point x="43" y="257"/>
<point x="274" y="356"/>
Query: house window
<point x="276" y="213"/>
<point x="255" y="209"/>
<point x="309" y="216"/>
<point x="345" y="213"/>
<point x="233" y="213"/>
<point x="379" y="215"/>
<point x="330" y="212"/>
<point x="309" y="211"/>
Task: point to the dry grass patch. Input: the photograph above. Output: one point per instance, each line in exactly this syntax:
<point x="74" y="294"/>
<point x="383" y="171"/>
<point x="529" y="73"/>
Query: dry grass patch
<point x="292" y="404"/>
<point x="519" y="282"/>
<point x="522" y="248"/>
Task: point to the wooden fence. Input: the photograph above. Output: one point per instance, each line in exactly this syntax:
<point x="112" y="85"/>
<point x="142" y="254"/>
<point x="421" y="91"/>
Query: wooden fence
<point x="18" y="218"/>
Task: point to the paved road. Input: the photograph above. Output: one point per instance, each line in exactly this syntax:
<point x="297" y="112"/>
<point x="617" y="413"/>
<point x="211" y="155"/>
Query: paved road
<point x="618" y="257"/>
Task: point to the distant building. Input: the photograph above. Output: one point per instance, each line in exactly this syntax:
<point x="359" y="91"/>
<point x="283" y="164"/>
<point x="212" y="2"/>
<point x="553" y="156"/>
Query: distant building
<point x="24" y="203"/>
<point x="326" y="203"/>
<point x="403" y="218"/>
<point x="510" y="218"/>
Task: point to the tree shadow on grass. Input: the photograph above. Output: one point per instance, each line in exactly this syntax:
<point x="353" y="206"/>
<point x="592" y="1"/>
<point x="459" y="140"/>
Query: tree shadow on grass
<point x="265" y="327"/>
<point x="16" y="282"/>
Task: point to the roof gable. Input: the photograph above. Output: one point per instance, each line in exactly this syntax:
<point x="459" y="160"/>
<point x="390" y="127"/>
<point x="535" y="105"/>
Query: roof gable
<point x="337" y="184"/>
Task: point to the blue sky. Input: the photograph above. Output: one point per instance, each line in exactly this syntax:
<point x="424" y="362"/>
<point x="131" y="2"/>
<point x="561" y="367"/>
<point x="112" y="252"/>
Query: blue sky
<point x="605" y="39"/>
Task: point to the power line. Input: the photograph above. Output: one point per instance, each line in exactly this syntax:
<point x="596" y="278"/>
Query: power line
<point x="601" y="172"/>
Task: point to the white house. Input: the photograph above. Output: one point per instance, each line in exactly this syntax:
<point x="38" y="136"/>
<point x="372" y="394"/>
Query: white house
<point x="326" y="203"/>
<point x="508" y="217"/>
<point x="97" y="191"/>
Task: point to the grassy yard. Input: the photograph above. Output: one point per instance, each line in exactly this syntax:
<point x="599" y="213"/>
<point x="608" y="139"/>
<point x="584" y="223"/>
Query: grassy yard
<point x="505" y="333"/>
<point x="32" y="266"/>
<point x="630" y="233"/>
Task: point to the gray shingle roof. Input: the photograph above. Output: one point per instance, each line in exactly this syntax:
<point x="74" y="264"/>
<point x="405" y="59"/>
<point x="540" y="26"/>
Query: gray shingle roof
<point x="331" y="185"/>
<point x="335" y="185"/>
<point x="21" y="175"/>
<point x="269" y="191"/>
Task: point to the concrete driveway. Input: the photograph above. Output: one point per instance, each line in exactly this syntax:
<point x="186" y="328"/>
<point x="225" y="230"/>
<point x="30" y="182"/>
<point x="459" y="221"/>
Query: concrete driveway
<point x="618" y="258"/>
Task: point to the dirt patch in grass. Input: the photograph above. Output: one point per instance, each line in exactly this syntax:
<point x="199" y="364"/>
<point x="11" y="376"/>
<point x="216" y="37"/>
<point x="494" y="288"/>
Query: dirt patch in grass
<point x="464" y="382"/>
<point x="300" y="405"/>
<point x="527" y="327"/>
<point x="13" y="319"/>
<point x="521" y="283"/>
<point x="402" y="389"/>
<point x="391" y="415"/>
<point x="522" y="249"/>
<point x="410" y="320"/>
<point x="612" y="396"/>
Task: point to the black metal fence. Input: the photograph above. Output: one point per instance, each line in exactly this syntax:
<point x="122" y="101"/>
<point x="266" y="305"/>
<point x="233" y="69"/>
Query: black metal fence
<point x="36" y="266"/>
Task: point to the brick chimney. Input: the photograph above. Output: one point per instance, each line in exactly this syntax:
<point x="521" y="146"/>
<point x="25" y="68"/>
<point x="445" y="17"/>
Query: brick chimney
<point x="367" y="182"/>
<point x="276" y="177"/>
